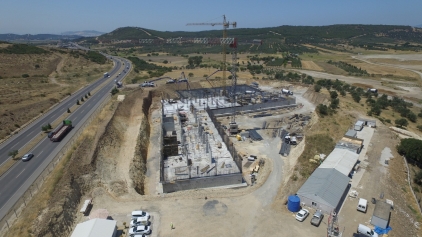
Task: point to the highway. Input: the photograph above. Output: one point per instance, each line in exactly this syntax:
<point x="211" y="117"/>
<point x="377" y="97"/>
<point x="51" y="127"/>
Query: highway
<point x="22" y="174"/>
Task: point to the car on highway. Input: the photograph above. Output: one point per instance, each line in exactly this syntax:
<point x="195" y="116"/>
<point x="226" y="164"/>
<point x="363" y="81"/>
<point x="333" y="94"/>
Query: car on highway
<point x="148" y="84"/>
<point x="27" y="156"/>
<point x="171" y="81"/>
<point x="302" y="214"/>
<point x="183" y="80"/>
<point x="142" y="229"/>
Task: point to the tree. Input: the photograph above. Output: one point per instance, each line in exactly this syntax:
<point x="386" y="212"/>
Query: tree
<point x="401" y="122"/>
<point x="82" y="99"/>
<point x="68" y="110"/>
<point x="333" y="94"/>
<point x="334" y="103"/>
<point x="190" y="74"/>
<point x="205" y="75"/>
<point x="89" y="93"/>
<point x="411" y="148"/>
<point x="77" y="102"/>
<point x="114" y="91"/>
<point x="165" y="61"/>
<point x="13" y="153"/>
<point x="86" y="96"/>
<point x="322" y="109"/>
<point x="317" y="88"/>
<point x="356" y="97"/>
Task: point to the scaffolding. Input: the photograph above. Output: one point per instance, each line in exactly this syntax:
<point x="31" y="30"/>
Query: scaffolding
<point x="333" y="229"/>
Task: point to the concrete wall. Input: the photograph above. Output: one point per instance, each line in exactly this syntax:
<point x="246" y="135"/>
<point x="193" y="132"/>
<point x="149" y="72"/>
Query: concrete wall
<point x="207" y="182"/>
<point x="256" y="107"/>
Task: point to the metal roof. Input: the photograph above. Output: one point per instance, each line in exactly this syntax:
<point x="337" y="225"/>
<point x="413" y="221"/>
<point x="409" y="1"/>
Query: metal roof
<point x="382" y="210"/>
<point x="95" y="228"/>
<point x="351" y="133"/>
<point x="325" y="186"/>
<point x="255" y="135"/>
<point x="342" y="160"/>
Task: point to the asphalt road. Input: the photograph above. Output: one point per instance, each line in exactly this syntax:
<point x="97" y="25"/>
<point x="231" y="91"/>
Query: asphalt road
<point x="20" y="176"/>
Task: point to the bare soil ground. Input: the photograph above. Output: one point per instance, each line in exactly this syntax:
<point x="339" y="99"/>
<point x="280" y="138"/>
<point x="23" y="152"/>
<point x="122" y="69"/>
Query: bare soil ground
<point x="103" y="174"/>
<point x="310" y="65"/>
<point x="51" y="78"/>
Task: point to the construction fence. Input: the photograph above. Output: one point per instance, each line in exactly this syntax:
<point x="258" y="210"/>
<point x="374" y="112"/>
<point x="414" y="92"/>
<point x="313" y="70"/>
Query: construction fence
<point x="16" y="209"/>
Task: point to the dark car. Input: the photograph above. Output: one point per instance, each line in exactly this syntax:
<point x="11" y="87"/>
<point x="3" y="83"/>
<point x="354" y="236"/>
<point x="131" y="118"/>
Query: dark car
<point x="27" y="156"/>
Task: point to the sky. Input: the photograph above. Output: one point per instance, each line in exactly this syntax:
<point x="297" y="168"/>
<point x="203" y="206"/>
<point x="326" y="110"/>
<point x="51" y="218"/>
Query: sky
<point x="57" y="16"/>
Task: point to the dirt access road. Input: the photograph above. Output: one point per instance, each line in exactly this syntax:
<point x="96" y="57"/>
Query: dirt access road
<point x="218" y="212"/>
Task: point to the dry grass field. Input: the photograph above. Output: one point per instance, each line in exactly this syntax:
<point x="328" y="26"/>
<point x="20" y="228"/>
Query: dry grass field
<point x="49" y="78"/>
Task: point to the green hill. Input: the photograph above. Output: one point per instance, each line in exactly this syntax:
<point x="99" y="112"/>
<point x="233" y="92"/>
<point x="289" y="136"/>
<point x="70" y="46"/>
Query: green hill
<point x="275" y="39"/>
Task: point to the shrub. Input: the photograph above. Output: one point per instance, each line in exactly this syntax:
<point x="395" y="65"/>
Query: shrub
<point x="13" y="153"/>
<point x="322" y="109"/>
<point x="114" y="91"/>
<point x="25" y="75"/>
<point x="317" y="88"/>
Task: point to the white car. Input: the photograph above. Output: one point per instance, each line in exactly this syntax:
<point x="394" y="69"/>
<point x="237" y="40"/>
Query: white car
<point x="148" y="84"/>
<point x="302" y="214"/>
<point x="139" y="213"/>
<point x="140" y="221"/>
<point x="140" y="230"/>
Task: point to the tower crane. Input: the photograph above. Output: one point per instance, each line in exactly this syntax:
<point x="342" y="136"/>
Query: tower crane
<point x="232" y="43"/>
<point x="225" y="25"/>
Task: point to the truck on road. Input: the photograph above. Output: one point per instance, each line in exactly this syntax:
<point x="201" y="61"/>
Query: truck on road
<point x="62" y="131"/>
<point x="317" y="218"/>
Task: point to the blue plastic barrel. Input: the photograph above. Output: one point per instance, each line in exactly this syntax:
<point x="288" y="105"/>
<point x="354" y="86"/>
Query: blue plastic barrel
<point x="293" y="203"/>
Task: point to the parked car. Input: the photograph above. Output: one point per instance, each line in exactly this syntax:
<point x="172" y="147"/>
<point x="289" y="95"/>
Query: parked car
<point x="140" y="230"/>
<point x="148" y="84"/>
<point x="362" y="205"/>
<point x="317" y="218"/>
<point x="139" y="213"/>
<point x="302" y="214"/>
<point x="27" y="156"/>
<point x="140" y="221"/>
<point x="366" y="231"/>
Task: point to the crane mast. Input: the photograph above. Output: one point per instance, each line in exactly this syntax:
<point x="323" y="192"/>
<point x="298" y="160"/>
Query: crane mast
<point x="225" y="25"/>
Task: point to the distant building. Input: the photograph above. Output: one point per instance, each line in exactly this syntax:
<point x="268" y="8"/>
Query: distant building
<point x="96" y="228"/>
<point x="257" y="41"/>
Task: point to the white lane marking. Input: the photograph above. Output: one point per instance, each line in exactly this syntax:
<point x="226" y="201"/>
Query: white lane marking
<point x="20" y="173"/>
<point x="41" y="152"/>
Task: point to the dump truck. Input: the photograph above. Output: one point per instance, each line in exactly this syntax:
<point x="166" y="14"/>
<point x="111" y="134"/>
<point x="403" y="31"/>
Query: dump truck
<point x="62" y="131"/>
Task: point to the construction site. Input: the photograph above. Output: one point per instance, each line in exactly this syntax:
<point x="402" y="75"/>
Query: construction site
<point x="197" y="151"/>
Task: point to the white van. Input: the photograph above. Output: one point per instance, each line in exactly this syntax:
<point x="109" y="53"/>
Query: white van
<point x="366" y="231"/>
<point x="362" y="205"/>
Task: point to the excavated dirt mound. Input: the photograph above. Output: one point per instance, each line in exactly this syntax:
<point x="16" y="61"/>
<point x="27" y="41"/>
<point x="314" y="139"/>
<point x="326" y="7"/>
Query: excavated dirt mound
<point x="315" y="97"/>
<point x="97" y="163"/>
